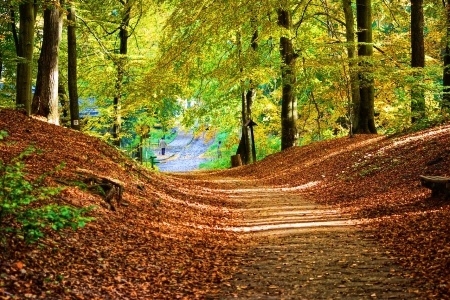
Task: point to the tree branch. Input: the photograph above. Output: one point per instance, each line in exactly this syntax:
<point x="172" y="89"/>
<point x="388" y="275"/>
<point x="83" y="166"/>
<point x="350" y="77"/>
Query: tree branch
<point x="96" y="38"/>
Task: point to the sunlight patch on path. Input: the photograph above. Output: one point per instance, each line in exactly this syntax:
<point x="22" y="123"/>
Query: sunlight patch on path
<point x="295" y="225"/>
<point x="239" y="191"/>
<point x="293" y="248"/>
<point x="289" y="210"/>
<point x="293" y="188"/>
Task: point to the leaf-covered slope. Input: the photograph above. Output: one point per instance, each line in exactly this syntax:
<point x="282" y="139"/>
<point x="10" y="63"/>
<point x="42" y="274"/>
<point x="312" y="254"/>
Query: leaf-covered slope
<point x="161" y="243"/>
<point x="165" y="244"/>
<point x="371" y="175"/>
<point x="377" y="178"/>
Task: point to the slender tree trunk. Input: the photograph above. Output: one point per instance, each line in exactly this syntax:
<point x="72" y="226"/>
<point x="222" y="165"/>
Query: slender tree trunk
<point x="64" y="101"/>
<point x="312" y="99"/>
<point x="27" y="12"/>
<point x="72" y="69"/>
<point x="244" y="144"/>
<point x="117" y="106"/>
<point x="251" y="92"/>
<point x="120" y="64"/>
<point x="417" y="60"/>
<point x="289" y="133"/>
<point x="352" y="65"/>
<point x="12" y="13"/>
<point x="366" y="118"/>
<point x="446" y="74"/>
<point x="247" y="98"/>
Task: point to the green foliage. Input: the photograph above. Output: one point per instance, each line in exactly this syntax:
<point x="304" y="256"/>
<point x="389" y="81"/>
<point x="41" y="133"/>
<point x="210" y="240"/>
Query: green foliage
<point x="21" y="214"/>
<point x="217" y="164"/>
<point x="222" y="162"/>
<point x="369" y="170"/>
<point x="80" y="184"/>
<point x="184" y="62"/>
<point x="3" y="134"/>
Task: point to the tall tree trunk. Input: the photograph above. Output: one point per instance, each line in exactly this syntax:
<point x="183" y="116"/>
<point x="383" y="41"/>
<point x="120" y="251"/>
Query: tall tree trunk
<point x="446" y="74"/>
<point x="63" y="100"/>
<point x="417" y="59"/>
<point x="27" y="12"/>
<point x="12" y="13"/>
<point x="366" y="118"/>
<point x="117" y="105"/>
<point x="72" y="69"/>
<point x="251" y="92"/>
<point x="244" y="144"/>
<point x="45" y="100"/>
<point x="289" y="133"/>
<point x="120" y="64"/>
<point x="247" y="98"/>
<point x="351" y="53"/>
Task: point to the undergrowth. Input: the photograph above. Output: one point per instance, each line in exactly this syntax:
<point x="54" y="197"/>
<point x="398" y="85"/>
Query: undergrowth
<point x="26" y="210"/>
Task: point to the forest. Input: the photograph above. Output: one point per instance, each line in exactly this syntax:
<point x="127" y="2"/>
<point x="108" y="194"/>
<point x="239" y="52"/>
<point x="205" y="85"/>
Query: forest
<point x="303" y="71"/>
<point x="346" y="195"/>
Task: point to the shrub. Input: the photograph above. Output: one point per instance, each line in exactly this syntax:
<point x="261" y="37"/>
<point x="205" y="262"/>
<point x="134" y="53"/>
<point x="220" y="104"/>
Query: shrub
<point x="21" y="214"/>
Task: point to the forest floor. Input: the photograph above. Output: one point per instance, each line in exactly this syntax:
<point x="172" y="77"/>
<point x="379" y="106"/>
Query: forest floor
<point x="295" y="249"/>
<point x="344" y="218"/>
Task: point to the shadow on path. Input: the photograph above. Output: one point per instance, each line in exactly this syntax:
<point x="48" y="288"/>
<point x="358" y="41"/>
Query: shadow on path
<point x="293" y="249"/>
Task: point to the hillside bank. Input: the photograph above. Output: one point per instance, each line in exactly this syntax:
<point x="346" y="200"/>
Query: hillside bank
<point x="170" y="238"/>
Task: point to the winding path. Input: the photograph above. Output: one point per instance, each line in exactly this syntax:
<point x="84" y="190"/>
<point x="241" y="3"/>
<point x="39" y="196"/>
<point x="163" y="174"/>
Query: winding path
<point x="294" y="249"/>
<point x="184" y="153"/>
<point x="291" y="248"/>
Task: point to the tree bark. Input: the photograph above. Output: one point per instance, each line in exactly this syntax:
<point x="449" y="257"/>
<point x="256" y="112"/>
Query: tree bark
<point x="366" y="122"/>
<point x="417" y="59"/>
<point x="72" y="69"/>
<point x="63" y="100"/>
<point x="446" y="74"/>
<point x="27" y="12"/>
<point x="45" y="100"/>
<point x="289" y="133"/>
<point x="12" y="13"/>
<point x="251" y="93"/>
<point x="236" y="161"/>
<point x="120" y="64"/>
<point x="244" y="144"/>
<point x="247" y="98"/>
<point x="351" y="53"/>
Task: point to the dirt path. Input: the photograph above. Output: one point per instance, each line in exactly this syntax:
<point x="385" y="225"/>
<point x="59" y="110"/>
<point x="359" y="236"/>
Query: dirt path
<point x="294" y="249"/>
<point x="184" y="154"/>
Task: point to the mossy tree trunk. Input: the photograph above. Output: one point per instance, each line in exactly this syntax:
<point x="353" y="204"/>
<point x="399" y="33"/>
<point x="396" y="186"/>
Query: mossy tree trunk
<point x="25" y="49"/>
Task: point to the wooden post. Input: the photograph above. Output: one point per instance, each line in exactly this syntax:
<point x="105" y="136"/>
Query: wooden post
<point x="236" y="161"/>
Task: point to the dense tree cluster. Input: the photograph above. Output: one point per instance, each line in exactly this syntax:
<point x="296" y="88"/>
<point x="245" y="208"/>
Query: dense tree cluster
<point x="302" y="70"/>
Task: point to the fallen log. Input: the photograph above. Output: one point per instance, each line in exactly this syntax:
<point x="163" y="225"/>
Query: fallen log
<point x="111" y="189"/>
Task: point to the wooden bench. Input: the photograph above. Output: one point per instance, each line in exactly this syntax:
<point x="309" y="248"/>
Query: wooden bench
<point x="437" y="185"/>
